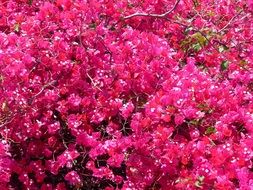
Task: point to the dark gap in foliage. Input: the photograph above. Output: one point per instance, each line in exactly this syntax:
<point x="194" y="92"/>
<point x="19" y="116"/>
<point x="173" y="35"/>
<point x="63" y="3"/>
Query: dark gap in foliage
<point x="101" y="160"/>
<point x="251" y="168"/>
<point x="154" y="186"/>
<point x="81" y="148"/>
<point x="102" y="129"/>
<point x="240" y="127"/>
<point x="73" y="57"/>
<point x="92" y="183"/>
<point x="217" y="142"/>
<point x="55" y="179"/>
<point x="64" y="132"/>
<point x="235" y="182"/>
<point x="33" y="177"/>
<point x="80" y="163"/>
<point x="120" y="171"/>
<point x="15" y="182"/>
<point x="182" y="130"/>
<point x="103" y="183"/>
<point x="250" y="86"/>
<point x="188" y="166"/>
<point x="139" y="101"/>
<point x="16" y="151"/>
<point x="126" y="129"/>
<point x="5" y="29"/>
<point x="124" y="124"/>
<point x="43" y="130"/>
<point x="60" y="8"/>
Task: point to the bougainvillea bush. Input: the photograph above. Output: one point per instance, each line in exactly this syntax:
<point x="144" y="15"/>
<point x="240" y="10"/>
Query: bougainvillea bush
<point x="128" y="94"/>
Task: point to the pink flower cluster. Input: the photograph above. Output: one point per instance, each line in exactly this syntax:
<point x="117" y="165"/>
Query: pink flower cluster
<point x="102" y="94"/>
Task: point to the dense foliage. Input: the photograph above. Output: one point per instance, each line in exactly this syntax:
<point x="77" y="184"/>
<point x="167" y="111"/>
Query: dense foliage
<point x="128" y="94"/>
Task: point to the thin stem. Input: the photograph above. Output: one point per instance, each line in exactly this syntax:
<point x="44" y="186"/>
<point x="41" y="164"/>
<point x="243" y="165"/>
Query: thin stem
<point x="230" y="21"/>
<point x="153" y="15"/>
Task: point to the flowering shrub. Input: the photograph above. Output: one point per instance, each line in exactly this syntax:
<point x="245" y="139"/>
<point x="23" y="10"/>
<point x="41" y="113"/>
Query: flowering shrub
<point x="126" y="94"/>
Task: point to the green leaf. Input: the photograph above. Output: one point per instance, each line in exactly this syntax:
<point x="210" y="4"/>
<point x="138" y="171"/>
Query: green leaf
<point x="195" y="122"/>
<point x="205" y="108"/>
<point x="92" y="25"/>
<point x="223" y="48"/>
<point x="224" y="65"/>
<point x="210" y="130"/>
<point x="196" y="47"/>
<point x="200" y="38"/>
